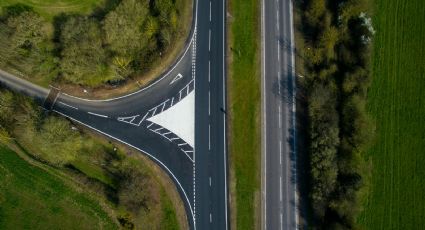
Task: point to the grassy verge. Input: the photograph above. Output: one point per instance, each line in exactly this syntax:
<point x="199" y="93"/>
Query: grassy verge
<point x="49" y="8"/>
<point x="396" y="101"/>
<point x="131" y="188"/>
<point x="244" y="106"/>
<point x="33" y="198"/>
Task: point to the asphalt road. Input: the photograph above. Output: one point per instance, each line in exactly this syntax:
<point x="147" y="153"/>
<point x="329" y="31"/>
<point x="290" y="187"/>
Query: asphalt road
<point x="200" y="173"/>
<point x="279" y="201"/>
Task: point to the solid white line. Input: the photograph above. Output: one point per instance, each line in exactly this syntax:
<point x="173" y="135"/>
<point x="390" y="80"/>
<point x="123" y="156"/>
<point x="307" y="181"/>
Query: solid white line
<point x="99" y="115"/>
<point x="145" y="152"/>
<point x="291" y="17"/>
<point x="224" y="115"/>
<point x="264" y="119"/>
<point x="68" y="105"/>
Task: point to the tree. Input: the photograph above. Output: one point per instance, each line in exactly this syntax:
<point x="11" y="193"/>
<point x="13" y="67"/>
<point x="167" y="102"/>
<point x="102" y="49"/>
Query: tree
<point x="84" y="60"/>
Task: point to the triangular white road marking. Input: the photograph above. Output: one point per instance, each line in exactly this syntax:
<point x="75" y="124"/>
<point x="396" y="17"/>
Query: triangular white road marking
<point x="178" y="77"/>
<point x="179" y="119"/>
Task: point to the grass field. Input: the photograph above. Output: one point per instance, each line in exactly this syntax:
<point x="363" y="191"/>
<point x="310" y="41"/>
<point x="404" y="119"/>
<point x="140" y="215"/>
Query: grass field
<point x="397" y="103"/>
<point x="244" y="92"/>
<point x="31" y="198"/>
<point x="50" y="8"/>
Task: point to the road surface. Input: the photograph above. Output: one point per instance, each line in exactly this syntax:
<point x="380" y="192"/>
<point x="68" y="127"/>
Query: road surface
<point x="179" y="121"/>
<point x="279" y="201"/>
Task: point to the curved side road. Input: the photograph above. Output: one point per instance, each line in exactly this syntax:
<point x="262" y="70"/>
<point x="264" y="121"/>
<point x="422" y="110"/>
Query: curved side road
<point x="198" y="169"/>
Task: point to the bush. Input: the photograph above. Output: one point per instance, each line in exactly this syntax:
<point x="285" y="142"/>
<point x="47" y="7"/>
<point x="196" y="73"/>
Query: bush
<point x="337" y="36"/>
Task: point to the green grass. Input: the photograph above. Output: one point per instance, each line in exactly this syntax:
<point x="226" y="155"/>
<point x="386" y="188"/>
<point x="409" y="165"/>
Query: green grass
<point x="50" y="8"/>
<point x="94" y="171"/>
<point x="169" y="218"/>
<point x="397" y="103"/>
<point x="31" y="198"/>
<point x="244" y="93"/>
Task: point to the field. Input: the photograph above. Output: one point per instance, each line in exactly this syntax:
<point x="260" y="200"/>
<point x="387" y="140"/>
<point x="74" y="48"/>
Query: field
<point x="397" y="103"/>
<point x="31" y="198"/>
<point x="50" y="8"/>
<point x="244" y="93"/>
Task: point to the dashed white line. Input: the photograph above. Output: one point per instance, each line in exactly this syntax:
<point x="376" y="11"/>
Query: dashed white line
<point x="209" y="71"/>
<point x="99" y="115"/>
<point x="70" y="106"/>
<point x="209" y="40"/>
<point x="210" y="11"/>
<point x="210" y="218"/>
<point x="209" y="103"/>
<point x="209" y="137"/>
<point x="280" y="188"/>
<point x="280" y="152"/>
<point x="210" y="181"/>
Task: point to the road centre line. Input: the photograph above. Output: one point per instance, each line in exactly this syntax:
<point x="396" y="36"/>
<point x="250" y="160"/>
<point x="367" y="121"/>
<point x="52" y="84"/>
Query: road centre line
<point x="280" y="151"/>
<point x="209" y="103"/>
<point x="70" y="106"/>
<point x="99" y="115"/>
<point x="280" y="187"/>
<point x="209" y="40"/>
<point x="209" y="137"/>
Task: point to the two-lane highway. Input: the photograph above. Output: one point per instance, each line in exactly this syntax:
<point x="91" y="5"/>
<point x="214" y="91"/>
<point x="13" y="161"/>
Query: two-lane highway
<point x="211" y="158"/>
<point x="279" y="180"/>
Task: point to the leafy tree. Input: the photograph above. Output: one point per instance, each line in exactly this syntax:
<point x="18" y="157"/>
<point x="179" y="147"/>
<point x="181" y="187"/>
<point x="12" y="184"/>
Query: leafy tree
<point x="84" y="61"/>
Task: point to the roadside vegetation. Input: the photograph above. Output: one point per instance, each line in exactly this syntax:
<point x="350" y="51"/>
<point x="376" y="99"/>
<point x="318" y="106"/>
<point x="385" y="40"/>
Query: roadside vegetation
<point x="31" y="197"/>
<point x="132" y="191"/>
<point x="336" y="37"/>
<point x="113" y="42"/>
<point x="244" y="115"/>
<point x="396" y="101"/>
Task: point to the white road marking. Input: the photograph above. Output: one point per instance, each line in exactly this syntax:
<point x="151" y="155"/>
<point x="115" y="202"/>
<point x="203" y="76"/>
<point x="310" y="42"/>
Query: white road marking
<point x="209" y="71"/>
<point x="176" y="78"/>
<point x="224" y="116"/>
<point x="211" y="218"/>
<point x="144" y="117"/>
<point x="280" y="151"/>
<point x="145" y="152"/>
<point x="99" y="115"/>
<point x="210" y="181"/>
<point x="70" y="106"/>
<point x="209" y="40"/>
<point x="280" y="116"/>
<point x="209" y="137"/>
<point x="280" y="188"/>
<point x="209" y="103"/>
<point x="264" y="119"/>
<point x="210" y="11"/>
